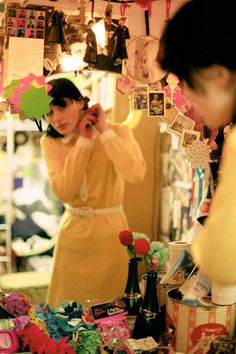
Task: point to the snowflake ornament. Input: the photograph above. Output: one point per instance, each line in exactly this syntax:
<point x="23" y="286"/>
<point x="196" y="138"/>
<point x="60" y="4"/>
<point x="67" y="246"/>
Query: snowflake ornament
<point x="198" y="153"/>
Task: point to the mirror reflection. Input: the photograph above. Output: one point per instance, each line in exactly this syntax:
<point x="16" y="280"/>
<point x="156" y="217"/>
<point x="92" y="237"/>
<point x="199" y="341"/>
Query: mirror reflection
<point x="34" y="205"/>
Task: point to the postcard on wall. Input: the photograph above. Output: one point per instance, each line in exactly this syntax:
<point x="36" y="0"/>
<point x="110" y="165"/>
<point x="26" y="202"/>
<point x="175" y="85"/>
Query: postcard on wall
<point x="25" y="55"/>
<point x="182" y="122"/>
<point x="25" y="23"/>
<point x="156" y="104"/>
<point x="140" y="98"/>
<point x="188" y="136"/>
<point x="170" y="115"/>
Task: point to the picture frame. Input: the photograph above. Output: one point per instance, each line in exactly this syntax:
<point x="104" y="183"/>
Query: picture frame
<point x="170" y="115"/>
<point x="139" y="98"/>
<point x="182" y="122"/>
<point x="187" y="137"/>
<point x="156" y="104"/>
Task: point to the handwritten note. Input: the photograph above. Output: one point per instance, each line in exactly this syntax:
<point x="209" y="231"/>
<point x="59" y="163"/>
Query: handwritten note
<point x="25" y="55"/>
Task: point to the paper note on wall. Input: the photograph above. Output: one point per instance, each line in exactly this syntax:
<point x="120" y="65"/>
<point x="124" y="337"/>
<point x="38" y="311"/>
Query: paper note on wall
<point x="25" y="55"/>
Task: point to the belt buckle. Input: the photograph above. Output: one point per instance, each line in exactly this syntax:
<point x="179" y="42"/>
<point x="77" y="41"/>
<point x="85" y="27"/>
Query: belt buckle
<point x="87" y="212"/>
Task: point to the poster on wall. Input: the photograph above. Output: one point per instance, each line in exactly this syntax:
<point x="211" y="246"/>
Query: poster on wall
<point x="24" y="56"/>
<point x="25" y="23"/>
<point x="142" y="64"/>
<point x="90" y="46"/>
<point x="66" y="37"/>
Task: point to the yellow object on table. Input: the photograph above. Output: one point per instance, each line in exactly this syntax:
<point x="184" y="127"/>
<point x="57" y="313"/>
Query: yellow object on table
<point x="33" y="285"/>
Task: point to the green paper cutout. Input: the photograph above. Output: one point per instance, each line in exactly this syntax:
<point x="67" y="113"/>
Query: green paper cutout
<point x="9" y="89"/>
<point x="34" y="102"/>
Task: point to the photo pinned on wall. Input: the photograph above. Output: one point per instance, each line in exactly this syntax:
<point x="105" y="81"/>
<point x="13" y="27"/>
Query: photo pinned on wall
<point x="24" y="23"/>
<point x="31" y="14"/>
<point x="11" y="22"/>
<point x="156" y="104"/>
<point x="155" y="86"/>
<point x="170" y="116"/>
<point x="140" y="98"/>
<point x="21" y="13"/>
<point x="142" y="64"/>
<point x="11" y="12"/>
<point x="30" y="24"/>
<point x="188" y="137"/>
<point x="11" y="32"/>
<point x="30" y="33"/>
<point x="182" y="122"/>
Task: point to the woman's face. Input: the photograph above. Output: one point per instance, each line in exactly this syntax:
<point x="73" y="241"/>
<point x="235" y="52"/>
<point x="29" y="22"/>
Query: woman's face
<point x="65" y="120"/>
<point x="213" y="95"/>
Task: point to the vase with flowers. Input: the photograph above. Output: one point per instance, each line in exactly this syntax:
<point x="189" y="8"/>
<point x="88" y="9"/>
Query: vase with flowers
<point x="137" y="246"/>
<point x="150" y="320"/>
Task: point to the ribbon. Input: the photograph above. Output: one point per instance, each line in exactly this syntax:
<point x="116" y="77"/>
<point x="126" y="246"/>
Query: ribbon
<point x="145" y="4"/>
<point x="168" y="3"/>
<point x="123" y="7"/>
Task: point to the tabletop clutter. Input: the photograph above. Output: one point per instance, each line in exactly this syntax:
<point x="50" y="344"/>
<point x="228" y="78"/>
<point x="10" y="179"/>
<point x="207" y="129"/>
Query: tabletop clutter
<point x="170" y="311"/>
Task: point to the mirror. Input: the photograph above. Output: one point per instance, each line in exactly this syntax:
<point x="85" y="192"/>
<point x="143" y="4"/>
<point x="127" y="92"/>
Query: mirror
<point x="141" y="199"/>
<point x="146" y="199"/>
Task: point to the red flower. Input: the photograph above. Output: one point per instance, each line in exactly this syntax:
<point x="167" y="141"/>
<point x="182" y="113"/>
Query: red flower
<point x="141" y="246"/>
<point x="126" y="237"/>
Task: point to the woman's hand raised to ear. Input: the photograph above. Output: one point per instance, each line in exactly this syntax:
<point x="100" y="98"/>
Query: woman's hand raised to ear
<point x="95" y="115"/>
<point x="86" y="125"/>
<point x="101" y="123"/>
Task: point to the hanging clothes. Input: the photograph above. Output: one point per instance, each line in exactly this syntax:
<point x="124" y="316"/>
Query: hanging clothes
<point x="56" y="23"/>
<point x="91" y="50"/>
<point x="121" y="34"/>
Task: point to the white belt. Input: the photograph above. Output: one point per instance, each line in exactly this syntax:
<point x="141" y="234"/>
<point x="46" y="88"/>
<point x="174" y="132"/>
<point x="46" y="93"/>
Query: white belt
<point x="89" y="212"/>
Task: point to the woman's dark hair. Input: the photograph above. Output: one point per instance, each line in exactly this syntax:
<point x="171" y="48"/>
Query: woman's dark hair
<point x="199" y="35"/>
<point x="61" y="90"/>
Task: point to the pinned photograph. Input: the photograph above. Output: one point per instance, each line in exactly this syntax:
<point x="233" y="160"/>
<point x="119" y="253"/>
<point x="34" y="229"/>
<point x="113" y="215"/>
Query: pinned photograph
<point x="188" y="136"/>
<point x="156" y="104"/>
<point x="182" y="122"/>
<point x="140" y="98"/>
<point x="170" y="115"/>
<point x="155" y="86"/>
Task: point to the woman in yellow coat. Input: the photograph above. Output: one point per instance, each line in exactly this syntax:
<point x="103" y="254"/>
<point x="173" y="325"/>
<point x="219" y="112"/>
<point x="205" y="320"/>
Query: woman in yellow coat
<point x="88" y="162"/>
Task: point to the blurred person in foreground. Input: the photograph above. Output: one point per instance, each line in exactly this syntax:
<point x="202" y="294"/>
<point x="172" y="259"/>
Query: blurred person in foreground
<point x="198" y="45"/>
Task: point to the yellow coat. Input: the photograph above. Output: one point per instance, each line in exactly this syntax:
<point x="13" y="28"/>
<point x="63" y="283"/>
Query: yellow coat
<point x="89" y="261"/>
<point x="214" y="248"/>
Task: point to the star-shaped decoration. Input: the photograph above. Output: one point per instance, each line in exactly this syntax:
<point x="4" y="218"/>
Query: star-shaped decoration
<point x="31" y="79"/>
<point x="9" y="89"/>
<point x="34" y="102"/>
<point x="36" y="81"/>
<point x="198" y="153"/>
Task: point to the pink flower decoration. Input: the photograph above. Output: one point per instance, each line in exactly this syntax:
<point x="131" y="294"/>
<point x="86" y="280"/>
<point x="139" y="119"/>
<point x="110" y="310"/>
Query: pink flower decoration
<point x="126" y="237"/>
<point x="141" y="246"/>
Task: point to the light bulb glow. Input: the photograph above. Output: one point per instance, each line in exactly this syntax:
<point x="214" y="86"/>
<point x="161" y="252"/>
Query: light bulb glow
<point x="71" y="62"/>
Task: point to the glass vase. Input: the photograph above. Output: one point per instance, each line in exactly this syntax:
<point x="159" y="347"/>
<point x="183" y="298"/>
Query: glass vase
<point x="150" y="321"/>
<point x="132" y="295"/>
